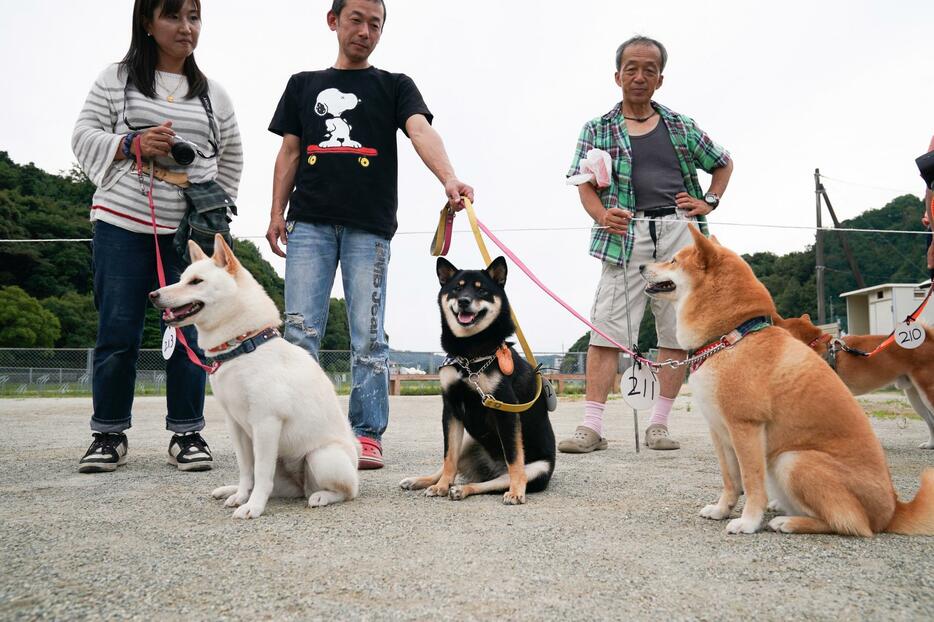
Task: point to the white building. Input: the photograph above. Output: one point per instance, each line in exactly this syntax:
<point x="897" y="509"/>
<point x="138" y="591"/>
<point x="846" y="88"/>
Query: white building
<point x="877" y="310"/>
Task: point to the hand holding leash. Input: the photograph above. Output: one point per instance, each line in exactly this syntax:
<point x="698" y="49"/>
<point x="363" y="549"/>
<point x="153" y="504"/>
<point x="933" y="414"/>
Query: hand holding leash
<point x="455" y="190"/>
<point x="616" y="220"/>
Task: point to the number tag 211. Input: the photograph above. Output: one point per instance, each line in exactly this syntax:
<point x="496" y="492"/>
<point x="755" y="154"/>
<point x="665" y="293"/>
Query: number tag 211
<point x="639" y="386"/>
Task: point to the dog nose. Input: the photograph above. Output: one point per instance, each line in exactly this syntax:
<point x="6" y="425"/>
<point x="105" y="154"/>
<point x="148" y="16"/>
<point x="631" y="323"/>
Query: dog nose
<point x="463" y="303"/>
<point x="154" y="295"/>
<point x="641" y="268"/>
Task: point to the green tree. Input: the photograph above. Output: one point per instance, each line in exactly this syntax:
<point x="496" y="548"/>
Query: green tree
<point x="24" y="323"/>
<point x="78" y="319"/>
<point x="262" y="271"/>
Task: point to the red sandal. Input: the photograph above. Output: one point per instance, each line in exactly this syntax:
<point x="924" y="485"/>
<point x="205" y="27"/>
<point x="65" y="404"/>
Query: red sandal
<point x="371" y="454"/>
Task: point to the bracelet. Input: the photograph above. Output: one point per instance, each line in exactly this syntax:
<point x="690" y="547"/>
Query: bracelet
<point x="127" y="144"/>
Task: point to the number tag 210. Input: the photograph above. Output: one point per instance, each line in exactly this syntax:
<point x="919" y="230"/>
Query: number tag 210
<point x="639" y="386"/>
<point x="909" y="336"/>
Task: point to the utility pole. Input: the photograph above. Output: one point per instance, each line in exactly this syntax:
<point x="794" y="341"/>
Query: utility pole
<point x="819" y="253"/>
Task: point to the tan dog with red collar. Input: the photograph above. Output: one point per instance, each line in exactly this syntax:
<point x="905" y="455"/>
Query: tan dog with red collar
<point x="910" y="370"/>
<point x="783" y="425"/>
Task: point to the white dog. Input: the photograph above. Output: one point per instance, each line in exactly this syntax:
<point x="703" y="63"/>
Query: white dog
<point x="289" y="433"/>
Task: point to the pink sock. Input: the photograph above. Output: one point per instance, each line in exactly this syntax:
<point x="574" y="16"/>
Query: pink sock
<point x="593" y="416"/>
<point x="660" y="411"/>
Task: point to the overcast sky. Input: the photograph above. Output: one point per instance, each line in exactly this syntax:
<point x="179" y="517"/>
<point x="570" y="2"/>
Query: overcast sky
<point x="786" y="87"/>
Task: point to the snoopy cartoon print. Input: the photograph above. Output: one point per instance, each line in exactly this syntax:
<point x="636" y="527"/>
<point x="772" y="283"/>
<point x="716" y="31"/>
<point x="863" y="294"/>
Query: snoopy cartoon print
<point x="333" y="103"/>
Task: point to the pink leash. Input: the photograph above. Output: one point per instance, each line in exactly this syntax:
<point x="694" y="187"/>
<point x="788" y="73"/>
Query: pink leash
<point x="210" y="369"/>
<point x="558" y="299"/>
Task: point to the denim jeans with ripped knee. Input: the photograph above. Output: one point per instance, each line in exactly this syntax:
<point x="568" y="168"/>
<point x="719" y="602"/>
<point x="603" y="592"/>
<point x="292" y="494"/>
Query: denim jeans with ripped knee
<point x="314" y="252"/>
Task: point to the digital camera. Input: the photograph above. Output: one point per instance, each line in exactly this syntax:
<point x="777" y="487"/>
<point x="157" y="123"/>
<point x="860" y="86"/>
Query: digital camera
<point x="183" y="151"/>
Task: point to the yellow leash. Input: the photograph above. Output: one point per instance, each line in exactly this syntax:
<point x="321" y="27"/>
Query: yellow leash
<point x="440" y="245"/>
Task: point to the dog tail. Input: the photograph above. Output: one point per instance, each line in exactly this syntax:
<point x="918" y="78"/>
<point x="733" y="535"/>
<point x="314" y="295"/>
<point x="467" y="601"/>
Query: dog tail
<point x="916" y="518"/>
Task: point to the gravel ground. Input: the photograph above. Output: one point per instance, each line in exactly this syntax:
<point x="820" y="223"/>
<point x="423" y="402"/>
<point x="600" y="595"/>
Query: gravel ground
<point x="616" y="535"/>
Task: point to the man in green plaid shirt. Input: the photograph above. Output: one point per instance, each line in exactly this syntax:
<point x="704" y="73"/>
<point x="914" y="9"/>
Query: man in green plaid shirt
<point x="640" y="217"/>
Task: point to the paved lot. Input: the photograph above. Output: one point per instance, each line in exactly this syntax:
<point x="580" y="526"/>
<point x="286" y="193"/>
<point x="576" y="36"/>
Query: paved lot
<point x="616" y="536"/>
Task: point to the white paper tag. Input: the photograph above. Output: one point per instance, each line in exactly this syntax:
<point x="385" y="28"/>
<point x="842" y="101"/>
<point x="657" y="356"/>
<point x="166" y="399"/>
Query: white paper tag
<point x="909" y="336"/>
<point x="639" y="386"/>
<point x="168" y="343"/>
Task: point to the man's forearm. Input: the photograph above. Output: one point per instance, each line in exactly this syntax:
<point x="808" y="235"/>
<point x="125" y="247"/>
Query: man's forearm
<point x="430" y="148"/>
<point x="591" y="202"/>
<point x="720" y="178"/>
<point x="283" y="180"/>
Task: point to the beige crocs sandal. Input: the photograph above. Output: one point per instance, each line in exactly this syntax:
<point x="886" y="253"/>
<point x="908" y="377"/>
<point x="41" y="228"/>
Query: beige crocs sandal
<point x="584" y="441"/>
<point x="656" y="437"/>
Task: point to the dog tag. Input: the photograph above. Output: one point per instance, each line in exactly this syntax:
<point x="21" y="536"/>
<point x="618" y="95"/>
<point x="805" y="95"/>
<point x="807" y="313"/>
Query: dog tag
<point x="168" y="342"/>
<point x="909" y="336"/>
<point x="639" y="386"/>
<point x="504" y="360"/>
<point x="551" y="399"/>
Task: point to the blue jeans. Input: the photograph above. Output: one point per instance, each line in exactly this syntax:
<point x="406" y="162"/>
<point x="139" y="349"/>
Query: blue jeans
<point x="314" y="250"/>
<point x="124" y="273"/>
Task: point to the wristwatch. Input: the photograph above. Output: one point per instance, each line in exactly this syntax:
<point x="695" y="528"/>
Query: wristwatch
<point x="712" y="200"/>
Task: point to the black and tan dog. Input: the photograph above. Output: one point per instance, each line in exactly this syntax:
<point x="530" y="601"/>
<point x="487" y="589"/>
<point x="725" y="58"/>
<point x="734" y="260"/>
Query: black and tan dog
<point x="501" y="451"/>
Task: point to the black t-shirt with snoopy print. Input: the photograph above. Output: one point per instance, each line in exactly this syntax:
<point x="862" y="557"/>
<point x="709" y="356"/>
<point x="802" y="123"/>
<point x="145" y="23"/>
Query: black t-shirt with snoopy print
<point x="347" y="122"/>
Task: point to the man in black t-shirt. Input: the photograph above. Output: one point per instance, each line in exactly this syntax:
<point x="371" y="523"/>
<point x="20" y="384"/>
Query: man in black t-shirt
<point x="337" y="171"/>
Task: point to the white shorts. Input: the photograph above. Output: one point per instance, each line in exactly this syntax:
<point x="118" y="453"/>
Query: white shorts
<point x="609" y="305"/>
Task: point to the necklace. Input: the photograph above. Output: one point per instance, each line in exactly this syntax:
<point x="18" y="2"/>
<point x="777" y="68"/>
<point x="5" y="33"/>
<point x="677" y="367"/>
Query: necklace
<point x="171" y="96"/>
<point x="638" y="120"/>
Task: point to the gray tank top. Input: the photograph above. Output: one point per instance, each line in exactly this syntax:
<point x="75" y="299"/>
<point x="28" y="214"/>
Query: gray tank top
<point x="656" y="174"/>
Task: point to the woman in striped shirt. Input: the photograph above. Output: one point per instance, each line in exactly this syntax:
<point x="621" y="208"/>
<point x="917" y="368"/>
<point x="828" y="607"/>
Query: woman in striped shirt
<point x="153" y="98"/>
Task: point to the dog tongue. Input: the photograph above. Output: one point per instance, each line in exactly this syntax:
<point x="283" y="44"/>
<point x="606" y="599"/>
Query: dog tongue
<point x="465" y="318"/>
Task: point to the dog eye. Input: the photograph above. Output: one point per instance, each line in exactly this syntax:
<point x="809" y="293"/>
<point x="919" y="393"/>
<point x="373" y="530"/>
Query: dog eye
<point x="194" y="281"/>
<point x="457" y="288"/>
<point x="673" y="260"/>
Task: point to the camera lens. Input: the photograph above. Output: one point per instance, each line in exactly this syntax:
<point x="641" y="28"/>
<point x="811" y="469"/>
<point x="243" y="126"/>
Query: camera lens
<point x="183" y="153"/>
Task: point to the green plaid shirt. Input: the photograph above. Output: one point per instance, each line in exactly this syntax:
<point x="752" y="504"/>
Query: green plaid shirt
<point x="692" y="146"/>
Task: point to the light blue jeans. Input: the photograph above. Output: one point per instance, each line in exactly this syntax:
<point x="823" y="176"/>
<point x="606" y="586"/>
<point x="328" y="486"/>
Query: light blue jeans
<point x="314" y="251"/>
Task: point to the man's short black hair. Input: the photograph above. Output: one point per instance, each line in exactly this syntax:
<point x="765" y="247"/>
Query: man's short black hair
<point x="338" y="5"/>
<point x="637" y="40"/>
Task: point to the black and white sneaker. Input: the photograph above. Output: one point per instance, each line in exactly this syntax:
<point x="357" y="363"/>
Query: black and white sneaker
<point x="190" y="452"/>
<point x="107" y="452"/>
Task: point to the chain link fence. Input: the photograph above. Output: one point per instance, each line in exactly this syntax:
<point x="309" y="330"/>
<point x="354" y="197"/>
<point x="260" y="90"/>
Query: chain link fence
<point x="62" y="371"/>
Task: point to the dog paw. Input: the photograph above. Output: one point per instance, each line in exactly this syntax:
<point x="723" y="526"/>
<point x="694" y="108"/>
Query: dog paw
<point x="743" y="525"/>
<point x="237" y="499"/>
<point x="249" y="510"/>
<point x="511" y="498"/>
<point x="927" y="444"/>
<point x="456" y="493"/>
<point x="774" y="506"/>
<point x="319" y="499"/>
<point x="438" y="490"/>
<point x="223" y="492"/>
<point x="780" y="524"/>
<point x="410" y="483"/>
<point x="715" y="511"/>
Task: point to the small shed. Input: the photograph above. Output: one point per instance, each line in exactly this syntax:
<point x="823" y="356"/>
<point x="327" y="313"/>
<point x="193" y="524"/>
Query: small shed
<point x="876" y="310"/>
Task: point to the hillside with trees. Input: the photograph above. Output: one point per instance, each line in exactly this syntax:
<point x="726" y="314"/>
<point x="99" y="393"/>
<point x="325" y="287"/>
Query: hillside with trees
<point x="790" y="278"/>
<point x="46" y="297"/>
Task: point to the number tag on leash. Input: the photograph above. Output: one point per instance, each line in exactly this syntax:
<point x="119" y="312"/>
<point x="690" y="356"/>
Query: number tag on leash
<point x="639" y="387"/>
<point x="168" y="343"/>
<point x="909" y="336"/>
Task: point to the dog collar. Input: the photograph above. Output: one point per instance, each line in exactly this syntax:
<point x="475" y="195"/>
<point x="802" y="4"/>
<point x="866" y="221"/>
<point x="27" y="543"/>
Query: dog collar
<point x="729" y="340"/>
<point x="245" y="346"/>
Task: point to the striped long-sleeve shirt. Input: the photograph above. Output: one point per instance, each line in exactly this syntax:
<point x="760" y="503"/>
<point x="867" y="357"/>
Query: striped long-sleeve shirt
<point x="105" y="120"/>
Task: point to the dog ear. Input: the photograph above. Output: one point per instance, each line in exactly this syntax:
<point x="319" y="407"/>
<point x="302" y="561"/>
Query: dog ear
<point x="195" y="252"/>
<point x="714" y="239"/>
<point x="806" y="317"/>
<point x="445" y="270"/>
<point x="706" y="250"/>
<point x="497" y="270"/>
<point x="223" y="256"/>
